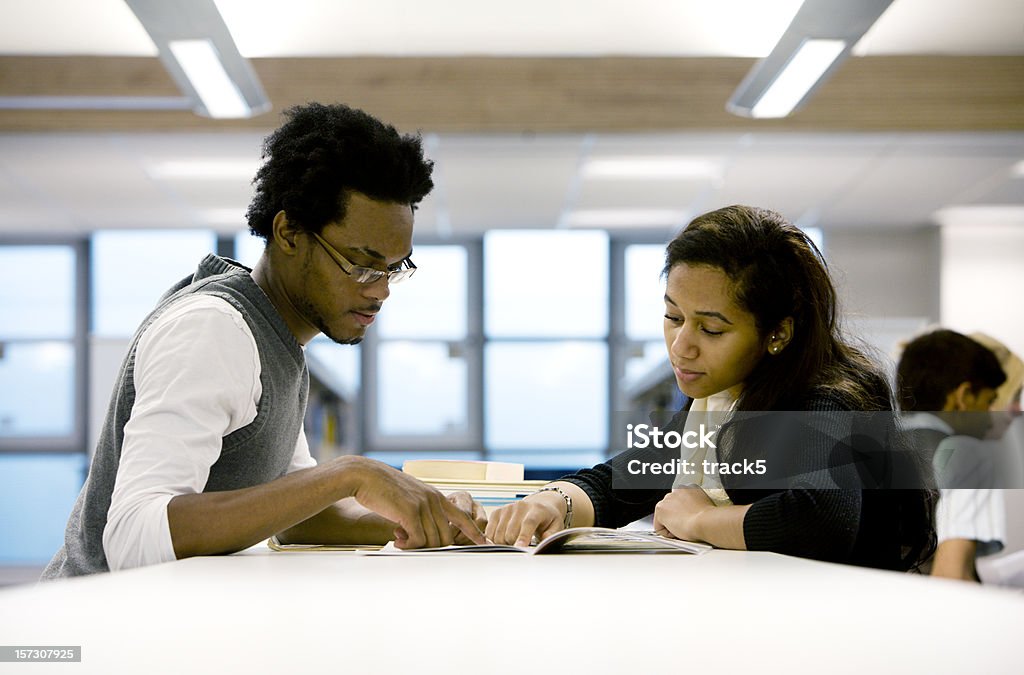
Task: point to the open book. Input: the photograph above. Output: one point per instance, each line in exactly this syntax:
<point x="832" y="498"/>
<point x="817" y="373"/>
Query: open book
<point x="573" y="540"/>
<point x="276" y="545"/>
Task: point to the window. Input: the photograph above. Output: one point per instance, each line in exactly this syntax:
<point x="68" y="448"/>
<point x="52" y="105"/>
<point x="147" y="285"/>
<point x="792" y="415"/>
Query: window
<point x="546" y="283"/>
<point x="37" y="492"/>
<point x="132" y="269"/>
<point x="248" y="248"/>
<point x="547" y="396"/>
<point x="41" y="350"/>
<point x="421" y="389"/>
<point x="422" y="361"/>
<point x="546" y="357"/>
<point x="644" y="292"/>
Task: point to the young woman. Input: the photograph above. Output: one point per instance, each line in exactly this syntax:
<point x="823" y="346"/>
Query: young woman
<point x="751" y="325"/>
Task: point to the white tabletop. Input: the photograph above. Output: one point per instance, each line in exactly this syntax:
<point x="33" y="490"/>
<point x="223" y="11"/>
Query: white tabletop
<point x="263" y="611"/>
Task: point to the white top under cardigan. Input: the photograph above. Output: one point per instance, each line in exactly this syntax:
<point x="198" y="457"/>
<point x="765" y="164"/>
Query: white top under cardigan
<point x="710" y="412"/>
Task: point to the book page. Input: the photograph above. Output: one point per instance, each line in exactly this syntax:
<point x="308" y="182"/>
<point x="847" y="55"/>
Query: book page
<point x="391" y="549"/>
<point x="606" y="540"/>
<point x="275" y="545"/>
<point x="573" y="540"/>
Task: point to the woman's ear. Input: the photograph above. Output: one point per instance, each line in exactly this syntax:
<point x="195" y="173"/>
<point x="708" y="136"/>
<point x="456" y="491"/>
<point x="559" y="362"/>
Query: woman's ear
<point x="780" y="336"/>
<point x="284" y="234"/>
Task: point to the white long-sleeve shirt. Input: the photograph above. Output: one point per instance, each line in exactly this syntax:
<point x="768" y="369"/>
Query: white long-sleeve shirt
<point x="197" y="379"/>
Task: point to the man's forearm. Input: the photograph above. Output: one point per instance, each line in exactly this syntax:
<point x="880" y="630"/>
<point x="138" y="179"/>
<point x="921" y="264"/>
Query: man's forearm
<point x="224" y="522"/>
<point x="346" y="522"/>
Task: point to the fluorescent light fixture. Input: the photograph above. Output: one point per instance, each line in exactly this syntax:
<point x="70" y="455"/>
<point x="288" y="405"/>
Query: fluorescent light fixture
<point x="802" y="72"/>
<point x="199" y="53"/>
<point x="682" y="168"/>
<point x="95" y="103"/>
<point x="205" y="169"/>
<point x="1018" y="169"/>
<point x="820" y="38"/>
<point x="600" y="218"/>
<point x="203" y="68"/>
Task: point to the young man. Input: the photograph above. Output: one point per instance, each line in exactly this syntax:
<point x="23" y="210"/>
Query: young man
<point x="202" y="451"/>
<point x="947" y="382"/>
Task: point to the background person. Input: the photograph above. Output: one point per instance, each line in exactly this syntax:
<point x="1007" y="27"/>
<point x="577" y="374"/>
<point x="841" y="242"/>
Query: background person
<point x="946" y="383"/>
<point x="1008" y="437"/>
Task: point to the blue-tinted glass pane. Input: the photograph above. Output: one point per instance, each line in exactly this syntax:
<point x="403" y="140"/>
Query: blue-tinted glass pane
<point x="37" y="389"/>
<point x="37" y="292"/>
<point x="37" y="493"/>
<point x="422" y="389"/>
<point x="248" y="248"/>
<point x="132" y="269"/>
<point x="336" y="366"/>
<point x="645" y="291"/>
<point x="546" y="395"/>
<point x="432" y="304"/>
<point x="546" y="283"/>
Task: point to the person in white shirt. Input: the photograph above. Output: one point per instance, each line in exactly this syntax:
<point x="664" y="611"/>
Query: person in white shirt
<point x="946" y="383"/>
<point x="202" y="451"/>
<point x="1007" y="439"/>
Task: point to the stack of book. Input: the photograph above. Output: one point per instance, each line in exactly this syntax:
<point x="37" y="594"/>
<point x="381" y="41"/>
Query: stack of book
<point x="491" y="484"/>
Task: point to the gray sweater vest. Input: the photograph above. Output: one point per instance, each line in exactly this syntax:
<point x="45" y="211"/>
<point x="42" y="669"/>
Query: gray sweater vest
<point x="257" y="453"/>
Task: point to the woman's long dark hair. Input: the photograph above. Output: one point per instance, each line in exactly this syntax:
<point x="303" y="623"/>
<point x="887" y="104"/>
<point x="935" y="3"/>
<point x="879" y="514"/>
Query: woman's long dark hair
<point x="778" y="272"/>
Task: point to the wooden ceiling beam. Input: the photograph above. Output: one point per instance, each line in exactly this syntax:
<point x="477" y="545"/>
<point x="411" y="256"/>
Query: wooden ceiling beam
<point x="469" y="95"/>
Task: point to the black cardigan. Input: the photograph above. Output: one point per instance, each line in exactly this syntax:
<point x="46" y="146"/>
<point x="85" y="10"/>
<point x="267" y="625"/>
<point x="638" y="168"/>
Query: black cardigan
<point x="853" y="525"/>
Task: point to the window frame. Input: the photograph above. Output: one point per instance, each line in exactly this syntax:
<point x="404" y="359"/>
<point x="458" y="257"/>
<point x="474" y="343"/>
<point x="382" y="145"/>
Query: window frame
<point x="372" y="441"/>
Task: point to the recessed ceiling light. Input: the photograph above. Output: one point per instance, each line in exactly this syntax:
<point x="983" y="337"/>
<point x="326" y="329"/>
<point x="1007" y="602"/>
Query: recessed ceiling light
<point x="626" y="218"/>
<point x="205" y="168"/>
<point x="653" y="168"/>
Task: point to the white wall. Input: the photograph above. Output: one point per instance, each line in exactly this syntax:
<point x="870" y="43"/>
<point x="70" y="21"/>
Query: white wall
<point x="886" y="273"/>
<point x="982" y="282"/>
<point x="888" y="284"/>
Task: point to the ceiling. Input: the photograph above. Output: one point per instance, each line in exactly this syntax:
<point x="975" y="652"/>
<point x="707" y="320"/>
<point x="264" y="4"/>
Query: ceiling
<point x="518" y="105"/>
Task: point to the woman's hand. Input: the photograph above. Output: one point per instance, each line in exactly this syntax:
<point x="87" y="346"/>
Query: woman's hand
<point x="688" y="513"/>
<point x="541" y="514"/>
<point x="678" y="513"/>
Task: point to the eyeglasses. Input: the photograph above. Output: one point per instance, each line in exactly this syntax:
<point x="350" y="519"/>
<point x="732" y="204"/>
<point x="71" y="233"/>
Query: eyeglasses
<point x="368" y="275"/>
